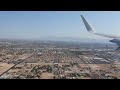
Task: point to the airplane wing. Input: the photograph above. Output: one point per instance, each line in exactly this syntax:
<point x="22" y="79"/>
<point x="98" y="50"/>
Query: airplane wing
<point x="91" y="30"/>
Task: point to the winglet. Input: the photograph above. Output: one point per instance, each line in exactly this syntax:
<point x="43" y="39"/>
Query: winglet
<point x="87" y="25"/>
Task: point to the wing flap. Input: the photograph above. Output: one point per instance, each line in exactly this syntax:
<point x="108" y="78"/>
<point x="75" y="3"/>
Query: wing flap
<point x="107" y="35"/>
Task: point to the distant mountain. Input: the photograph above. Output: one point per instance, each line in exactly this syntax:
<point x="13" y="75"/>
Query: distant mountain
<point x="72" y="39"/>
<point x="66" y="39"/>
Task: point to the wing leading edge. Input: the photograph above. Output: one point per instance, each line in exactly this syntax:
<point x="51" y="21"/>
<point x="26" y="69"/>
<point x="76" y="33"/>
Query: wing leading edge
<point x="91" y="30"/>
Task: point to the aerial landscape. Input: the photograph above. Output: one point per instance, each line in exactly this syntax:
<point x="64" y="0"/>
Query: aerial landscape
<point x="59" y="54"/>
<point x="57" y="60"/>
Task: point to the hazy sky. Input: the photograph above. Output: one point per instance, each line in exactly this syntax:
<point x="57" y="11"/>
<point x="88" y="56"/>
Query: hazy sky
<point x="38" y="24"/>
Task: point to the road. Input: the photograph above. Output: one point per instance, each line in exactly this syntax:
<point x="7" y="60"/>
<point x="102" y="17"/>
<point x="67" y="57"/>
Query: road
<point x="17" y="64"/>
<point x="93" y="75"/>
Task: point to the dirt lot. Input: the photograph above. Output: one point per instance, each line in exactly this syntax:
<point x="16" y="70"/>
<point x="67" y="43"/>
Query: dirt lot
<point x="96" y="66"/>
<point x="47" y="76"/>
<point x="4" y="67"/>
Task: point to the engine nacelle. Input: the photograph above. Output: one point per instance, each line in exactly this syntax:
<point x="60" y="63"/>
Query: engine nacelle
<point x="115" y="41"/>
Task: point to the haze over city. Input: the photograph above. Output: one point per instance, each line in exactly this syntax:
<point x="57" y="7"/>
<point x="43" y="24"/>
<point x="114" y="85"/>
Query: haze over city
<point x="57" y="25"/>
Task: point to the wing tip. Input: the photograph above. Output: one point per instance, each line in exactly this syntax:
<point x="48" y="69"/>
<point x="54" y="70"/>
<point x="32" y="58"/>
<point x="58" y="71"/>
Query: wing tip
<point x="87" y="25"/>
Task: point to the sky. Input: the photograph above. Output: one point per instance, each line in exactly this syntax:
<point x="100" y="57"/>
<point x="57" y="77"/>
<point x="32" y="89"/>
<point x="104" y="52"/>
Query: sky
<point x="55" y="24"/>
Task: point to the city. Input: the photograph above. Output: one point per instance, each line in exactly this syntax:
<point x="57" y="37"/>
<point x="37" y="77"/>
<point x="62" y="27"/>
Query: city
<point x="20" y="59"/>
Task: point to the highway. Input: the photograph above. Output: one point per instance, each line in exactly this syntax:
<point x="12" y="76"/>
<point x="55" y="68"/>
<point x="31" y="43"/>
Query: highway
<point x="20" y="61"/>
